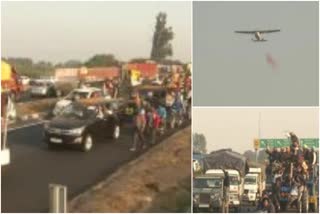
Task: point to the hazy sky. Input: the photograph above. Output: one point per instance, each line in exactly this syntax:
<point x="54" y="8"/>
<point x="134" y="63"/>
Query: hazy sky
<point x="235" y="70"/>
<point x="236" y="128"/>
<point x="58" y="31"/>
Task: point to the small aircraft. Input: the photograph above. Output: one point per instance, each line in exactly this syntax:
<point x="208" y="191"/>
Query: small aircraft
<point x="258" y="34"/>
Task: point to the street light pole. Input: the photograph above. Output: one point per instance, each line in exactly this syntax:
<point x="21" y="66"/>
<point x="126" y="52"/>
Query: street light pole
<point x="259" y="135"/>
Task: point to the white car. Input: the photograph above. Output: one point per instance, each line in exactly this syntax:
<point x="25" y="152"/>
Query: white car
<point x="42" y="89"/>
<point x="77" y="94"/>
<point x="25" y="80"/>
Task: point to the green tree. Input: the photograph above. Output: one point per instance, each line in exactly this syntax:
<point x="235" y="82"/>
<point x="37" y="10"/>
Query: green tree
<point x="27" y="67"/>
<point x="199" y="143"/>
<point x="102" y="60"/>
<point x="161" y="46"/>
<point x="138" y="60"/>
<point x="72" y="64"/>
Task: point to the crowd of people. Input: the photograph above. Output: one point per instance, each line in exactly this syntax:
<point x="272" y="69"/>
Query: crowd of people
<point x="153" y="116"/>
<point x="289" y="167"/>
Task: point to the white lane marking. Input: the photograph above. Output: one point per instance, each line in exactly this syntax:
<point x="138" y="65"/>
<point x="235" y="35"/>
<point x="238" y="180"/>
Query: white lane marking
<point x="26" y="126"/>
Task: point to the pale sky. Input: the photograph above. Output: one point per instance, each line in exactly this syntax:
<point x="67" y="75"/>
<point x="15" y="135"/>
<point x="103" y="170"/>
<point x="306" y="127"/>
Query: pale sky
<point x="59" y="31"/>
<point x="236" y="128"/>
<point x="235" y="70"/>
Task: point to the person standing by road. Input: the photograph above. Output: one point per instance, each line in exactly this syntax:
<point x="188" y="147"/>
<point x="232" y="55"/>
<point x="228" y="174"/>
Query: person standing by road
<point x="162" y="112"/>
<point x="139" y="130"/>
<point x="156" y="120"/>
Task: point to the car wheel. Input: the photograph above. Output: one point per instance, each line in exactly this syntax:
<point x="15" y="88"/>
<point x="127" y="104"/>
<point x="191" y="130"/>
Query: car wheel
<point x="116" y="132"/>
<point x="87" y="143"/>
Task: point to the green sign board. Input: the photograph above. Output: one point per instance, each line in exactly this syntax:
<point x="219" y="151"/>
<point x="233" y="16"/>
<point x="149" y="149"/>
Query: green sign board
<point x="309" y="142"/>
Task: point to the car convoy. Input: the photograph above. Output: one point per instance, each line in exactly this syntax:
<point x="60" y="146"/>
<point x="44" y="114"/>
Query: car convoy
<point x="87" y="114"/>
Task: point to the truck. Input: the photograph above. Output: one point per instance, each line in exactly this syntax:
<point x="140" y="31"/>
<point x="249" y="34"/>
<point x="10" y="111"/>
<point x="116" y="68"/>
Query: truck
<point x="236" y="165"/>
<point x="253" y="186"/>
<point x="208" y="192"/>
<point x="236" y="184"/>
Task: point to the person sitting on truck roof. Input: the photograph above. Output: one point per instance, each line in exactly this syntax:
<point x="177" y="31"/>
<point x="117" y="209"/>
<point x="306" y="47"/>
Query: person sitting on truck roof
<point x="273" y="155"/>
<point x="286" y="155"/>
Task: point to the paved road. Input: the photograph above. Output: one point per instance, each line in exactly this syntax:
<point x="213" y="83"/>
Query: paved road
<point x="24" y="183"/>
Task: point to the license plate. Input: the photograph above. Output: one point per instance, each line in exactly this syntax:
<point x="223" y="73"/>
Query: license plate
<point x="203" y="205"/>
<point x="55" y="140"/>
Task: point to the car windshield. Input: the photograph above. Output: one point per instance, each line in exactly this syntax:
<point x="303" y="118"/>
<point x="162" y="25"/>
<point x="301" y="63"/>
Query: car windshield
<point x="207" y="183"/>
<point x="250" y="180"/>
<point x="76" y="112"/>
<point x="234" y="180"/>
<point x="75" y="95"/>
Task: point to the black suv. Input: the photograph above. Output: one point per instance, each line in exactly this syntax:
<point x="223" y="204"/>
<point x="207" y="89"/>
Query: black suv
<point x="82" y="125"/>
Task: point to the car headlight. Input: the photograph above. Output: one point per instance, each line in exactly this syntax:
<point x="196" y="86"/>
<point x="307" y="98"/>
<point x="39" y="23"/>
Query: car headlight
<point x="215" y="196"/>
<point x="77" y="131"/>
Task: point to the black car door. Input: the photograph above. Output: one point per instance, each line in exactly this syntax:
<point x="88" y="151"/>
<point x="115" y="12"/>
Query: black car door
<point x="97" y="128"/>
<point x="109" y="124"/>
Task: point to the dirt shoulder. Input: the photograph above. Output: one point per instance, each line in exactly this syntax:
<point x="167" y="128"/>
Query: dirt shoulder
<point x="36" y="106"/>
<point x="157" y="181"/>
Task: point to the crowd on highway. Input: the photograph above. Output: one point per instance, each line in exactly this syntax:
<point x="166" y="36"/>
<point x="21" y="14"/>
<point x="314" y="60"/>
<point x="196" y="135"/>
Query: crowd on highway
<point x="293" y="174"/>
<point x="152" y="116"/>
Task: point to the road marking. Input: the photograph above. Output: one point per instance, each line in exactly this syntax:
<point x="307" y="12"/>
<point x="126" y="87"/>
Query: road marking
<point x="26" y="126"/>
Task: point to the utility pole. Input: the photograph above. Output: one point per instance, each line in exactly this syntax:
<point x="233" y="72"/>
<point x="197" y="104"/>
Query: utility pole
<point x="259" y="136"/>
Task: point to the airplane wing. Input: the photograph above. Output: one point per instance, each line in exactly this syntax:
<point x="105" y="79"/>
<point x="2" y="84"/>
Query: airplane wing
<point x="260" y="31"/>
<point x="269" y="31"/>
<point x="247" y="32"/>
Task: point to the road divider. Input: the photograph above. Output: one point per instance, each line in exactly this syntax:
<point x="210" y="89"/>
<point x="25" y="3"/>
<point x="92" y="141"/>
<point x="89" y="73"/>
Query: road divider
<point x="33" y="108"/>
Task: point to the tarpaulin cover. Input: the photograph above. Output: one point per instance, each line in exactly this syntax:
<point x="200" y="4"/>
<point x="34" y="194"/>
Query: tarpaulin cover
<point x="226" y="159"/>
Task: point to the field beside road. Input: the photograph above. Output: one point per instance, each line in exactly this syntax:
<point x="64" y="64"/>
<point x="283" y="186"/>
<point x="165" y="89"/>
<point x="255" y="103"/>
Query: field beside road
<point x="157" y="181"/>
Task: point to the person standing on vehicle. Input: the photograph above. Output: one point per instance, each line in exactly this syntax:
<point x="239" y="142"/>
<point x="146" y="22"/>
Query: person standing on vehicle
<point x="299" y="179"/>
<point x="276" y="188"/>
